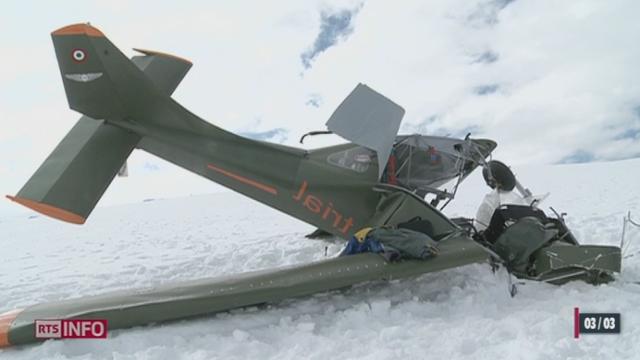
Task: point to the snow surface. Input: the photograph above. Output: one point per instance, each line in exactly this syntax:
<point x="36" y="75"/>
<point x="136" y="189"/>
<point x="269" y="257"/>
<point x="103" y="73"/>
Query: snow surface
<point x="463" y="313"/>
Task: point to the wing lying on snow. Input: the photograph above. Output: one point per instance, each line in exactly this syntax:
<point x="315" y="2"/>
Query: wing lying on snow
<point x="369" y="119"/>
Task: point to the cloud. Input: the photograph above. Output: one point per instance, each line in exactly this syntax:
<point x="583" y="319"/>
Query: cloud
<point x="486" y="89"/>
<point x="421" y="127"/>
<point x="578" y="157"/>
<point x="278" y="135"/>
<point x="633" y="134"/>
<point x="432" y="125"/>
<point x="314" y="100"/>
<point x="632" y="127"/>
<point x="334" y="27"/>
<point x="149" y="166"/>
<point x="486" y="12"/>
<point x="486" y="57"/>
<point x="472" y="130"/>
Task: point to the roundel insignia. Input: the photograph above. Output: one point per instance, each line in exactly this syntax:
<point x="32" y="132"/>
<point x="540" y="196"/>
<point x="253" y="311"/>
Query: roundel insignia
<point x="78" y="55"/>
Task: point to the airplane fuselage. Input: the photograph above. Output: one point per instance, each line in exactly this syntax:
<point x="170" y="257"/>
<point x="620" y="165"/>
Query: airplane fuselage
<point x="297" y="182"/>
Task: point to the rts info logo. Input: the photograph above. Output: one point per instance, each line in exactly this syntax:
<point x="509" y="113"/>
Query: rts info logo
<point x="71" y="329"/>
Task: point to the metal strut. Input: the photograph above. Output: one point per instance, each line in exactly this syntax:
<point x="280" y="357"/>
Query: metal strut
<point x="624" y="247"/>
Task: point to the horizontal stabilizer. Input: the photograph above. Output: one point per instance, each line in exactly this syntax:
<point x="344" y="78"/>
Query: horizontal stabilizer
<point x="72" y="179"/>
<point x="165" y="71"/>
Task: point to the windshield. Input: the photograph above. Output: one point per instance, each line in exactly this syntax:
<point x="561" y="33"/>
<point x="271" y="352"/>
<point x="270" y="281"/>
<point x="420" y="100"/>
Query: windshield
<point x="357" y="158"/>
<point x="425" y="163"/>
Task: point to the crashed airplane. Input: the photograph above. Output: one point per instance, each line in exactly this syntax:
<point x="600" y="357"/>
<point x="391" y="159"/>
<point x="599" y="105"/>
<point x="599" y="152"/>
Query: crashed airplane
<point x="377" y="180"/>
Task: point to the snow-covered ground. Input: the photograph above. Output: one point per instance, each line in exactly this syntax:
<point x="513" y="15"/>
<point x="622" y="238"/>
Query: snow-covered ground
<point x="461" y="313"/>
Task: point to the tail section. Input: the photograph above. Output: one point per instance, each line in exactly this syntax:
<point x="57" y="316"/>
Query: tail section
<point x="101" y="83"/>
<point x="127" y="104"/>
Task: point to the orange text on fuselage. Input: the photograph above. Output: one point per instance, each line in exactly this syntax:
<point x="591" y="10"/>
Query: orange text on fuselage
<point x="326" y="212"/>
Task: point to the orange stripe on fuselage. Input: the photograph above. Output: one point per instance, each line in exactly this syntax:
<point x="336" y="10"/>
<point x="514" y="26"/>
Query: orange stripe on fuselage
<point x="244" y="180"/>
<point x="49" y="210"/>
<point x="6" y="320"/>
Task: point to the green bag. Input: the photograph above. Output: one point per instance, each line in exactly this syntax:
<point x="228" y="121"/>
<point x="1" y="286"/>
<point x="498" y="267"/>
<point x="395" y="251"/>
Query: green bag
<point x="520" y="240"/>
<point x="404" y="243"/>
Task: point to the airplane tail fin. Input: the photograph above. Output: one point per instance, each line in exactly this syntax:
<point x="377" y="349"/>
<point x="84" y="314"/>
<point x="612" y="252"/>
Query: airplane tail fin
<point x="84" y="55"/>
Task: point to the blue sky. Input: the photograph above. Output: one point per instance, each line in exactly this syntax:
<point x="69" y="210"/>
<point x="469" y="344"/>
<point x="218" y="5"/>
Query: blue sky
<point x="550" y="81"/>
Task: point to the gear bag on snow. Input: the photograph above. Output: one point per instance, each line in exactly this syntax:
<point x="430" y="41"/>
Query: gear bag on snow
<point x="519" y="241"/>
<point x="392" y="244"/>
<point x="404" y="243"/>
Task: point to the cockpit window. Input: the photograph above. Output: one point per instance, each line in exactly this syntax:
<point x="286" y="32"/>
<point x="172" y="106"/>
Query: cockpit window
<point x="356" y="158"/>
<point x="422" y="164"/>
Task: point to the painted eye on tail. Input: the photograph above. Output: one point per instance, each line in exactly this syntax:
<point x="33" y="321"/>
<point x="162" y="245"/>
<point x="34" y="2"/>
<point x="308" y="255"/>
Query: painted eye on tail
<point x="78" y="55"/>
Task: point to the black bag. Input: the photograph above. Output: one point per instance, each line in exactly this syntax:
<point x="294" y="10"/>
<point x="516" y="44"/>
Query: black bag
<point x="506" y="215"/>
<point x="418" y="224"/>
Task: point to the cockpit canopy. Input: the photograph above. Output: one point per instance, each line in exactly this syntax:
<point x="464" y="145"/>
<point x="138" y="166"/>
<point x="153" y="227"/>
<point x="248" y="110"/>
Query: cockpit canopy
<point x="419" y="163"/>
<point x="424" y="163"/>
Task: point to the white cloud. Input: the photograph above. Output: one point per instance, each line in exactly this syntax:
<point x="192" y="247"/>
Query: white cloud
<point x="335" y="26"/>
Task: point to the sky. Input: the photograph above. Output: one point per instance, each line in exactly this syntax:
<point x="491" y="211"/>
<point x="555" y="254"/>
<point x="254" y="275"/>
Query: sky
<point x="551" y="82"/>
